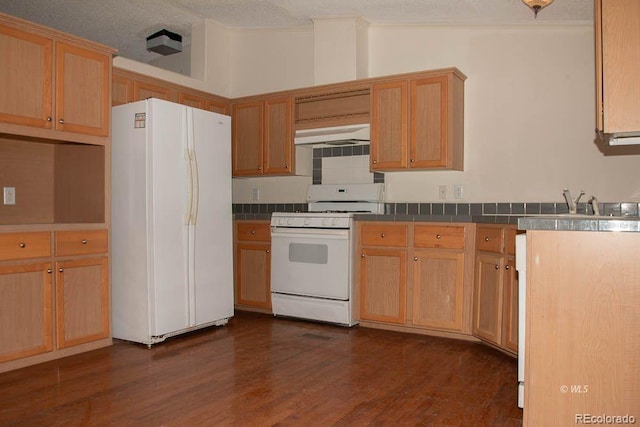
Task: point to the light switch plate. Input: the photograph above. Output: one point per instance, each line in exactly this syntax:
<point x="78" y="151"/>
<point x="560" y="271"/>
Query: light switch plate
<point x="442" y="192"/>
<point x="9" y="195"/>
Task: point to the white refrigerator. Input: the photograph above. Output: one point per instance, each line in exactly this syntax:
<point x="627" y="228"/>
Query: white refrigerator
<point x="171" y="220"/>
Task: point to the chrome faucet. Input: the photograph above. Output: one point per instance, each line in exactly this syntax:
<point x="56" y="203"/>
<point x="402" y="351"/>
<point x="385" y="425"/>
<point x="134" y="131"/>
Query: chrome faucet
<point x="573" y="204"/>
<point x="594" y="205"/>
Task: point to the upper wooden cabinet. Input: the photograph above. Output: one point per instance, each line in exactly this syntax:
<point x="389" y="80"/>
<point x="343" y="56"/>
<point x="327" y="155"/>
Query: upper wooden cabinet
<point x="128" y="86"/>
<point x="617" y="29"/>
<point x="52" y="82"/>
<point x="417" y="122"/>
<point x="262" y="137"/>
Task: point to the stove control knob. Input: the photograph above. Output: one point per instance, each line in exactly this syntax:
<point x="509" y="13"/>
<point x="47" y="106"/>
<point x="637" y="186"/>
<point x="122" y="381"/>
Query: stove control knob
<point x="325" y="221"/>
<point x="307" y="221"/>
<point x="281" y="221"/>
<point x="334" y="221"/>
<point x="289" y="221"/>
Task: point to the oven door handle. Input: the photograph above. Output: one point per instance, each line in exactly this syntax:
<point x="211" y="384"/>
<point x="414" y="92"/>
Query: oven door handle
<point x="310" y="233"/>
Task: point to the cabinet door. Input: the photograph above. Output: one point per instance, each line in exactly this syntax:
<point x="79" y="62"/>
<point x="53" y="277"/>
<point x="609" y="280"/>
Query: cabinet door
<point x="143" y="90"/>
<point x="438" y="278"/>
<point x="25" y="310"/>
<point x="618" y="65"/>
<point x="428" y="123"/>
<point x="487" y="310"/>
<point x="247" y="139"/>
<point x="510" y="306"/>
<point x="278" y="136"/>
<point x="389" y="117"/>
<point x="26" y="77"/>
<point x="383" y="282"/>
<point x="253" y="275"/>
<point x="121" y="90"/>
<point x="191" y="100"/>
<point x="82" y="301"/>
<point x="83" y="88"/>
<point x="216" y="106"/>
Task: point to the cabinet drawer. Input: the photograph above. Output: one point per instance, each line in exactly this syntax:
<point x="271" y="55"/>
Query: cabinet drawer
<point x="81" y="242"/>
<point x="439" y="236"/>
<point x="384" y="235"/>
<point x="254" y="231"/>
<point x="25" y="245"/>
<point x="489" y="239"/>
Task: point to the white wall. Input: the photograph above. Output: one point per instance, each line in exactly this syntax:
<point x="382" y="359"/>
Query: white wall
<point x="529" y="111"/>
<point x="270" y="60"/>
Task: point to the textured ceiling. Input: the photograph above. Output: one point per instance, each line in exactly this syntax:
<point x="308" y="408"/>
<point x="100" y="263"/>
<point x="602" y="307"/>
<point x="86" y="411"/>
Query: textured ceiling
<point x="125" y="24"/>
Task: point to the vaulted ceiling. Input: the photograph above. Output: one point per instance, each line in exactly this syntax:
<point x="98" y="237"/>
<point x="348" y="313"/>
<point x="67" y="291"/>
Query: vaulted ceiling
<point x="125" y="24"/>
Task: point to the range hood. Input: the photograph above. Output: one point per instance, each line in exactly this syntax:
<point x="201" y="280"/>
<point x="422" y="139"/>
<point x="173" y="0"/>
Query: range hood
<point x="334" y="136"/>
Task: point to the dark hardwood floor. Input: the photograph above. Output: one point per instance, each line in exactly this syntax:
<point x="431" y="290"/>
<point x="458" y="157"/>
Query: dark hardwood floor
<point x="260" y="371"/>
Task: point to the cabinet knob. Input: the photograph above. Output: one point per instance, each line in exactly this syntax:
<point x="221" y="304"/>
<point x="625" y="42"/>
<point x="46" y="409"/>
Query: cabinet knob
<point x="49" y="119"/>
<point x="61" y="270"/>
<point x="22" y="245"/>
<point x="286" y="166"/>
<point x="382" y="235"/>
<point x="361" y="255"/>
<point x="61" y="121"/>
<point x="49" y="271"/>
<point x="411" y="160"/>
<point x="497" y="267"/>
<point x="375" y="162"/>
<point x="438" y="236"/>
<point x="506" y="267"/>
<point x="259" y="168"/>
<point x="415" y="258"/>
<point x="486" y="239"/>
<point x="253" y="231"/>
<point x="84" y="241"/>
<point x="268" y="251"/>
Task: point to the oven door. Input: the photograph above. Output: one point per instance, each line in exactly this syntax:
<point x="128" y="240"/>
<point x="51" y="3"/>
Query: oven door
<point x="311" y="262"/>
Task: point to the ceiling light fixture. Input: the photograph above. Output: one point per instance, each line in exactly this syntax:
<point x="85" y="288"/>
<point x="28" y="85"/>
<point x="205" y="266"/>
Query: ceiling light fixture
<point x="537" y="5"/>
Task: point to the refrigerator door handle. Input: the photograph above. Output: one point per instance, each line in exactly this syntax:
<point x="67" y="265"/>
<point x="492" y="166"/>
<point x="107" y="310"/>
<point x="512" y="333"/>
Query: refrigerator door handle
<point x="187" y="157"/>
<point x="195" y="188"/>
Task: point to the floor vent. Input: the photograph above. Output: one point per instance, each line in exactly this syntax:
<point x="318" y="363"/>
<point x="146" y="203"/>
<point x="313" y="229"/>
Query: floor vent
<point x="316" y="336"/>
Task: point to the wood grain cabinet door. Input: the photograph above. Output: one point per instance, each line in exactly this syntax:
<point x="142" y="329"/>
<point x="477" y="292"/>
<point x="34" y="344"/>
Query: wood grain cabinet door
<point x="278" y="137"/>
<point x="383" y="282"/>
<point x="217" y="106"/>
<point x="487" y="306"/>
<point x="428" y="145"/>
<point x="438" y="279"/>
<point x="247" y="139"/>
<point x="121" y="90"/>
<point x="253" y="274"/>
<point x="191" y="100"/>
<point x="26" y="78"/>
<point x="389" y="117"/>
<point x="82" y="301"/>
<point x="144" y="90"/>
<point x="510" y="306"/>
<point x="26" y="315"/>
<point x="83" y="88"/>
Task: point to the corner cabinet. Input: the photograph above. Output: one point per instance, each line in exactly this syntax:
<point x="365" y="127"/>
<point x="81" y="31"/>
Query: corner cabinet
<point x="415" y="277"/>
<point x="417" y="122"/>
<point x="617" y="27"/>
<point x="262" y="137"/>
<point x="252" y="267"/>
<point x="495" y="308"/>
<point x="54" y="86"/>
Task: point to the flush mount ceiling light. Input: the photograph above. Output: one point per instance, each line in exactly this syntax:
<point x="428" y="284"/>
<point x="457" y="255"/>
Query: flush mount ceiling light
<point x="537" y="5"/>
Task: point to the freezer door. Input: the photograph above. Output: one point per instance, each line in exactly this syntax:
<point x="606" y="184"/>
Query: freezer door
<point x="167" y="210"/>
<point x="211" y="248"/>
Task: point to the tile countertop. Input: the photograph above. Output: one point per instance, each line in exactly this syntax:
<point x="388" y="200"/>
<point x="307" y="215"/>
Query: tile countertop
<point x="532" y="222"/>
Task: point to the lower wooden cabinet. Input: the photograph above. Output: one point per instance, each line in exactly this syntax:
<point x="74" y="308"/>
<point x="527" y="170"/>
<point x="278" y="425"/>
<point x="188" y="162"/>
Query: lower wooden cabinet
<point x="252" y="270"/>
<point x="495" y="302"/>
<point x="82" y="301"/>
<point x="56" y="304"/>
<point x="415" y="277"/>
<point x="25" y="310"/>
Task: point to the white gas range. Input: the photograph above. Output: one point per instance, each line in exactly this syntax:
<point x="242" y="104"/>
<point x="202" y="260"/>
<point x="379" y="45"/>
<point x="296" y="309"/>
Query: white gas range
<point x="312" y="253"/>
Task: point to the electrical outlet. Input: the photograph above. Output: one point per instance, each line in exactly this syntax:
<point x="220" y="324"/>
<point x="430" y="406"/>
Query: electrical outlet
<point x="9" y="195"/>
<point x="457" y="191"/>
<point x="255" y="194"/>
<point x="442" y="192"/>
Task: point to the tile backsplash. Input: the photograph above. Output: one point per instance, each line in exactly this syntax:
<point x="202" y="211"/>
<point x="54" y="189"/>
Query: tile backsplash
<point x="343" y="165"/>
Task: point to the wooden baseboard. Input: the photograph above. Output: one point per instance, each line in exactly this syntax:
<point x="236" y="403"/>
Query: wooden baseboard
<point x="415" y="330"/>
<point x="53" y="355"/>
<point x="254" y="309"/>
